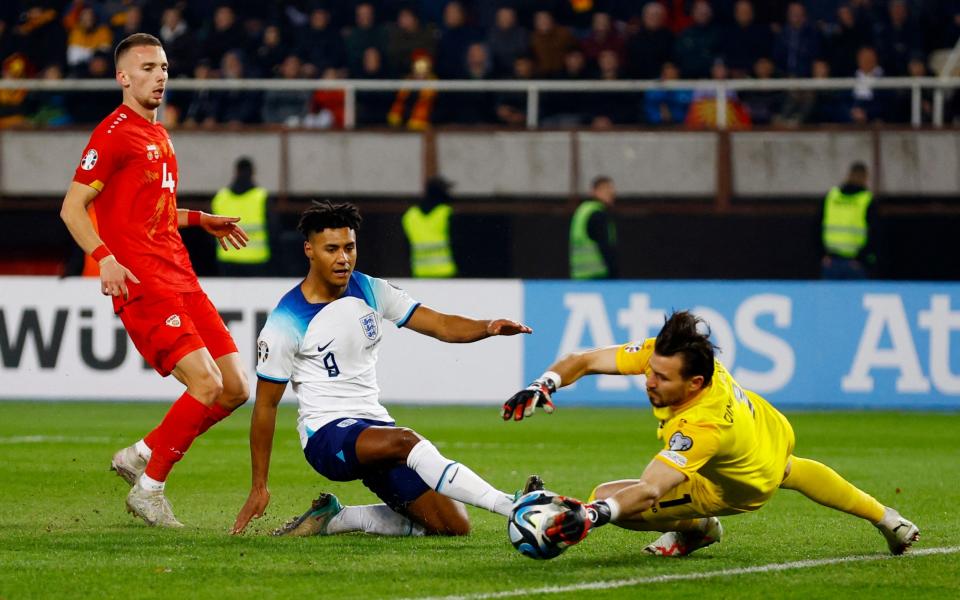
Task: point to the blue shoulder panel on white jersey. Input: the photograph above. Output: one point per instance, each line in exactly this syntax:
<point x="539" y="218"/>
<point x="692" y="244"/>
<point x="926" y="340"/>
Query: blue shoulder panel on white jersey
<point x="361" y="287"/>
<point x="295" y="311"/>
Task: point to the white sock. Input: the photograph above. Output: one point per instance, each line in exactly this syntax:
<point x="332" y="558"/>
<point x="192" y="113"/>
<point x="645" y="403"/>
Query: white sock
<point x="143" y="450"/>
<point x="375" y="519"/>
<point x="455" y="480"/>
<point x="151" y="485"/>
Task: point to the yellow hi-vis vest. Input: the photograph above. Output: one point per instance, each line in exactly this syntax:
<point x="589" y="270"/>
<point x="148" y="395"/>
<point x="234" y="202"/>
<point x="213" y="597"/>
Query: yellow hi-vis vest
<point x="251" y="207"/>
<point x="845" y="222"/>
<point x="586" y="260"/>
<point x="429" y="235"/>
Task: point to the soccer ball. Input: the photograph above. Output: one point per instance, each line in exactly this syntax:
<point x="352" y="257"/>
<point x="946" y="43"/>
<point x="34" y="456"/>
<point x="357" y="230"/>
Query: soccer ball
<point x="525" y="525"/>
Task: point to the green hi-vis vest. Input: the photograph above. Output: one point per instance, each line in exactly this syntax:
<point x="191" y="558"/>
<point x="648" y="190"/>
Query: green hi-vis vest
<point x="429" y="235"/>
<point x="586" y="261"/>
<point x="251" y="207"/>
<point x="845" y="222"/>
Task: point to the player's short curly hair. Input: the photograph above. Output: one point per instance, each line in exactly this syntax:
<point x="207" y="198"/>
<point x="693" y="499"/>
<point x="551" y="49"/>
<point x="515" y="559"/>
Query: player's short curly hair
<point x="327" y="215"/>
<point x="682" y="334"/>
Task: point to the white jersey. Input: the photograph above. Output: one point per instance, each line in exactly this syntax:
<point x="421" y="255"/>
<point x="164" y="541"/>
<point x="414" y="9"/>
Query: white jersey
<point x="329" y="351"/>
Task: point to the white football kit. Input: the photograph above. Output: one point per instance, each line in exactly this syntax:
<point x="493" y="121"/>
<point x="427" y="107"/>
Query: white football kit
<point x="329" y="351"/>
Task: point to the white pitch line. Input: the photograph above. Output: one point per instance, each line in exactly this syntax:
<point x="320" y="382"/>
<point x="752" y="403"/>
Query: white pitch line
<point x="619" y="583"/>
<point x="54" y="439"/>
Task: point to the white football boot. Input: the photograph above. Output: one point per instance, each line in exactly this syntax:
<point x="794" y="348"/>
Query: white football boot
<point x="152" y="507"/>
<point x="682" y="543"/>
<point x="899" y="532"/>
<point x="128" y="464"/>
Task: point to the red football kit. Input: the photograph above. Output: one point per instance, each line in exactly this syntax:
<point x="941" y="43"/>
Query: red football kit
<point x="131" y="162"/>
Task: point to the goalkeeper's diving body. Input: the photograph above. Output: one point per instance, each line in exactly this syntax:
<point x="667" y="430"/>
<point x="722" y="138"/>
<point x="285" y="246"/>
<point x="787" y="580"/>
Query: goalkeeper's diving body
<point x="324" y="338"/>
<point x="726" y="449"/>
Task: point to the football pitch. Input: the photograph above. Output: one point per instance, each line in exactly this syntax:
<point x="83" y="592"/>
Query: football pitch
<point x="64" y="532"/>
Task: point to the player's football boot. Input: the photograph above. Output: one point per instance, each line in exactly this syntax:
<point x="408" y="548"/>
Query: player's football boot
<point x="128" y="464"/>
<point x="533" y="484"/>
<point x="899" y="532"/>
<point x="152" y="507"/>
<point x="315" y="520"/>
<point x="682" y="543"/>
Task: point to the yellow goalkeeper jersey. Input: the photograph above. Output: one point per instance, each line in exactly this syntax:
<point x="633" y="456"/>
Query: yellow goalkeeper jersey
<point x="731" y="437"/>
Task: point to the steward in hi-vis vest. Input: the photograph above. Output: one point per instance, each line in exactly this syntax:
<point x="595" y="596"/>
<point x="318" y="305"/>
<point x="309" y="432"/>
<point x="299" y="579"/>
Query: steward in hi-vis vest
<point x="845" y="227"/>
<point x="248" y="201"/>
<point x="593" y="236"/>
<point x="427" y="226"/>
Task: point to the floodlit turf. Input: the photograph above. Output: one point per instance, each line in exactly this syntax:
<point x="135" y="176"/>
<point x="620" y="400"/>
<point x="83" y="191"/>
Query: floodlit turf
<point x="64" y="532"/>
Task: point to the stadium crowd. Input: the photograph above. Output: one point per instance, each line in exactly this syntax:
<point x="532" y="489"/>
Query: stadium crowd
<point x="483" y="40"/>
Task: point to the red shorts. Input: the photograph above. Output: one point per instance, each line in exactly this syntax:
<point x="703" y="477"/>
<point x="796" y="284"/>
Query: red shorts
<point x="166" y="329"/>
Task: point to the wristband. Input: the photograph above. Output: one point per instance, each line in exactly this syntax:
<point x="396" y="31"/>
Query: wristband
<point x="553" y="380"/>
<point x="193" y="217"/>
<point x="100" y="252"/>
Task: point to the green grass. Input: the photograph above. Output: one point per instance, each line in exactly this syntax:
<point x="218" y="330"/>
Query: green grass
<point x="64" y="532"/>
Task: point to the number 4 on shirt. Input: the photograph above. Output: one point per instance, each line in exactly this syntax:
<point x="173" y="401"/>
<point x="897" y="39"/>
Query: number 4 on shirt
<point x="167" y="180"/>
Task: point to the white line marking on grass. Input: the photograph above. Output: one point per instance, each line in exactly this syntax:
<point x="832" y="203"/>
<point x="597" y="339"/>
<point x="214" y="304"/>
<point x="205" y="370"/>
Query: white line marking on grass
<point x="54" y="439"/>
<point x="619" y="583"/>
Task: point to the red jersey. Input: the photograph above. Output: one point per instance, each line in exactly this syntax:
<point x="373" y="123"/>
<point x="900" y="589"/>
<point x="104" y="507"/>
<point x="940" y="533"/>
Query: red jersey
<point x="131" y="162"/>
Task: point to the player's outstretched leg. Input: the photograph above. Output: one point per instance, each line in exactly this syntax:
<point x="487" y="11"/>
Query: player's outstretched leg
<point x="823" y="485"/>
<point x="390" y="445"/>
<point x="703" y="533"/>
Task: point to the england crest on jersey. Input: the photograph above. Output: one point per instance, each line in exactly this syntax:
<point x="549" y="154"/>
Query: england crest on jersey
<point x="369" y="324"/>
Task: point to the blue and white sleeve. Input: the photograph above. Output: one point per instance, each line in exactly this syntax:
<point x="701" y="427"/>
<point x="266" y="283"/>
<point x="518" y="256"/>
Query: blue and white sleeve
<point x="395" y="304"/>
<point x="277" y="347"/>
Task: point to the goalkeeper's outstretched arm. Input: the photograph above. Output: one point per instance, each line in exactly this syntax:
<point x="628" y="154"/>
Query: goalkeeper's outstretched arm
<point x="565" y="371"/>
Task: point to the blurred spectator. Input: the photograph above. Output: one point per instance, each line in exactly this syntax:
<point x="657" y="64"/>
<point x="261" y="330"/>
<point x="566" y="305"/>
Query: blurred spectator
<point x="899" y="39"/>
<point x="236" y="107"/>
<point x="471" y="108"/>
<point x="703" y="107"/>
<point x="327" y="107"/>
<point x="746" y="41"/>
<point x="848" y="218"/>
<point x="455" y="38"/>
<point x="812" y="106"/>
<point x="507" y="41"/>
<point x="903" y="110"/>
<point x="611" y="108"/>
<point x="320" y="45"/>
<point x="372" y="106"/>
<point x="868" y="104"/>
<point x="849" y="34"/>
<point x="178" y="42"/>
<point x="92" y="107"/>
<point x="40" y="38"/>
<point x="14" y="106"/>
<point x="677" y="17"/>
<point x="271" y="51"/>
<point x="413" y="109"/>
<point x="286" y="107"/>
<point x="512" y="106"/>
<point x="85" y="38"/>
<point x="245" y="199"/>
<point x="51" y="109"/>
<point x="365" y="33"/>
<point x="651" y="47"/>
<point x="427" y="226"/>
<point x="404" y="38"/>
<point x="603" y="36"/>
<point x="225" y="35"/>
<point x="127" y="21"/>
<point x="567" y="109"/>
<point x="202" y="108"/>
<point x="549" y="43"/>
<point x="667" y="106"/>
<point x="697" y="47"/>
<point x="763" y="105"/>
<point x="797" y="44"/>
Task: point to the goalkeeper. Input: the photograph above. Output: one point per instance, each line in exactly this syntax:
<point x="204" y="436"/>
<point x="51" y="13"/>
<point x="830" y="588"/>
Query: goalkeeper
<point x="726" y="450"/>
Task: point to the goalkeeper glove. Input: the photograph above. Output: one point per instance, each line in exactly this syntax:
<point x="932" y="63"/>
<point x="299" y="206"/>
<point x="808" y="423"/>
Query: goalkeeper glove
<point x="573" y="524"/>
<point x="523" y="403"/>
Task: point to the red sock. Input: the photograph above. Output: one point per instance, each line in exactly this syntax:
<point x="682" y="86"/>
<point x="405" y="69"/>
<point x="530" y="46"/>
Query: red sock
<point x="172" y="438"/>
<point x="215" y="414"/>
